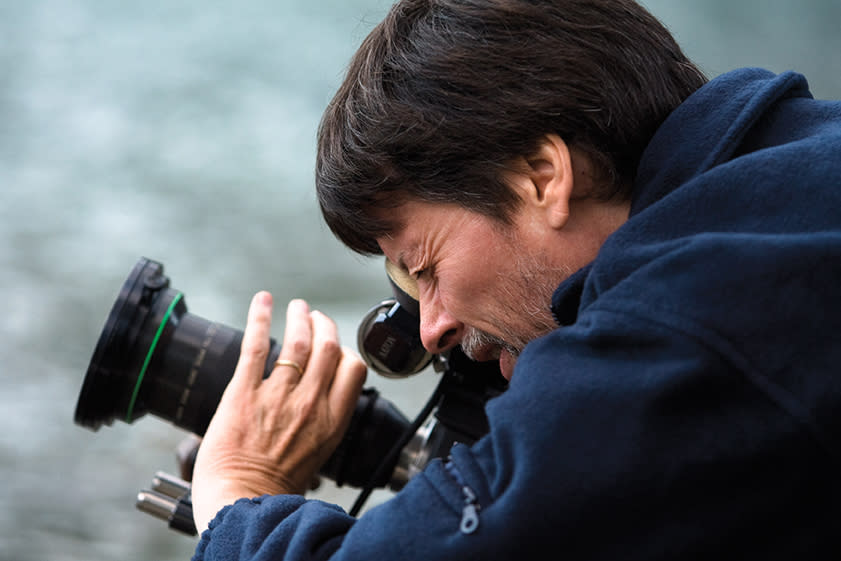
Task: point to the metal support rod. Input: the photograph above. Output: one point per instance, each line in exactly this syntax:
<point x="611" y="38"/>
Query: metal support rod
<point x="170" y="485"/>
<point x="157" y="504"/>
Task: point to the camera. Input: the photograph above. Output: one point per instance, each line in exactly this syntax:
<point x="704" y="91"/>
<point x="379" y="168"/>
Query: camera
<point x="155" y="357"/>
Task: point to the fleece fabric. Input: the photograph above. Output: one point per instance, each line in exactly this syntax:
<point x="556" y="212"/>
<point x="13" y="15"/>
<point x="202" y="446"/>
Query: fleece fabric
<point x="689" y="404"/>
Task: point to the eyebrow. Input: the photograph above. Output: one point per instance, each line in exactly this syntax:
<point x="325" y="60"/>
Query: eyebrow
<point x="403" y="255"/>
<point x="401" y="277"/>
<point x="411" y="255"/>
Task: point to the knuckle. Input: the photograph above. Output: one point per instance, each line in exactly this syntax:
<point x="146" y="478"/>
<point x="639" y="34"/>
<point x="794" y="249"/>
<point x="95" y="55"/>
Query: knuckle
<point x="300" y="346"/>
<point x="255" y="350"/>
<point x="306" y="410"/>
<point x="354" y="363"/>
<point x="330" y="348"/>
<point x="360" y="368"/>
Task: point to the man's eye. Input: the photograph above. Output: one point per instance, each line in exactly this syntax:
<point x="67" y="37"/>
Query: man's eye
<point x="422" y="273"/>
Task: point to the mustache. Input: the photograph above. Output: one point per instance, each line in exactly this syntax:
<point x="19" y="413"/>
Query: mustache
<point x="475" y="341"/>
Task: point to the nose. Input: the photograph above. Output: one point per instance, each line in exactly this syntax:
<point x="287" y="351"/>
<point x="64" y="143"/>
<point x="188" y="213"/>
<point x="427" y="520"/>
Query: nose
<point x="438" y="329"/>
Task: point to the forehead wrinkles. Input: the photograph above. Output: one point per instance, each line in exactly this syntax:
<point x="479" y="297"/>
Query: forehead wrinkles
<point x="405" y="239"/>
<point x="426" y="228"/>
<point x="398" y="247"/>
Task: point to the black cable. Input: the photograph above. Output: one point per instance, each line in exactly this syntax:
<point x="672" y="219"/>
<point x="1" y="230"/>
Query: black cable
<point x="390" y="459"/>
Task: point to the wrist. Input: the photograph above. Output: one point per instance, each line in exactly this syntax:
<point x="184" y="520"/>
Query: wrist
<point x="211" y="494"/>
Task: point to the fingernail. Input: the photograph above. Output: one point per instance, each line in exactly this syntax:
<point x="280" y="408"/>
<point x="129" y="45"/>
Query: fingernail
<point x="299" y="303"/>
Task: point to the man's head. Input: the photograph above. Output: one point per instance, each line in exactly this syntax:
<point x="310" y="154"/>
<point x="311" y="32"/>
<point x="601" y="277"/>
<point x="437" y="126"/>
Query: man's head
<point x="457" y="106"/>
<point x="487" y="284"/>
<point x="444" y="94"/>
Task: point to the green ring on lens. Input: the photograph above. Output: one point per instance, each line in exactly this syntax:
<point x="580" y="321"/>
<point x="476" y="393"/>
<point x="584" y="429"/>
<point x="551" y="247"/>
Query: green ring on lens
<point x="148" y="359"/>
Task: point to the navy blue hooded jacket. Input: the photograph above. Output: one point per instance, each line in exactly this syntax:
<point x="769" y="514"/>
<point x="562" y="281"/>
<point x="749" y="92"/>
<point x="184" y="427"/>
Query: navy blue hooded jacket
<point x="689" y="404"/>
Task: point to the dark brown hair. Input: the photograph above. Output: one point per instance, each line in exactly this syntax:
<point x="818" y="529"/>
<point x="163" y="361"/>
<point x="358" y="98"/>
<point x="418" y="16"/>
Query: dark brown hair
<point x="443" y="95"/>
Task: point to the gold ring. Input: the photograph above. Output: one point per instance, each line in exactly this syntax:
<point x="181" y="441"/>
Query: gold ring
<point x="292" y="363"/>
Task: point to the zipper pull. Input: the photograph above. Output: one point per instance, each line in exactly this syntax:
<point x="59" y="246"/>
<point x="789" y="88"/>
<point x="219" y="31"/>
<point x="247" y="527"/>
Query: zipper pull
<point x="470" y="512"/>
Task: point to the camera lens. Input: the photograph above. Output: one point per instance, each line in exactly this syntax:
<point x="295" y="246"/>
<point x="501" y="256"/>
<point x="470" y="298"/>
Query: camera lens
<point x="153" y="356"/>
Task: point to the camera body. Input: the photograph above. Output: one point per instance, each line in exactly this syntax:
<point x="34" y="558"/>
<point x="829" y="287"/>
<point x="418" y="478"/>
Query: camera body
<point x="153" y="356"/>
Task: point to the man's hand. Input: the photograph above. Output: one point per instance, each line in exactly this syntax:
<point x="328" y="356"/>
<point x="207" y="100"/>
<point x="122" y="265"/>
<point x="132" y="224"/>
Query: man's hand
<point x="272" y="436"/>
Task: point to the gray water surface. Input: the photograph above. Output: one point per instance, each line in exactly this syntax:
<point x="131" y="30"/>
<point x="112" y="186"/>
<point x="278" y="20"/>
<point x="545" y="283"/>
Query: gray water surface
<point x="184" y="131"/>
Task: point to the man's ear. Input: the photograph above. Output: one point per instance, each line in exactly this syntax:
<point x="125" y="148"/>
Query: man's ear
<point x="552" y="180"/>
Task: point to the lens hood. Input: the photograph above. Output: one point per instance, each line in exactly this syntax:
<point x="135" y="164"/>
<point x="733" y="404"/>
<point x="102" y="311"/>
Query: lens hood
<point x="107" y="389"/>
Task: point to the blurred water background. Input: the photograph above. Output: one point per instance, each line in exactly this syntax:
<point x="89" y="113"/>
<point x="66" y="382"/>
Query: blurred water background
<point x="183" y="130"/>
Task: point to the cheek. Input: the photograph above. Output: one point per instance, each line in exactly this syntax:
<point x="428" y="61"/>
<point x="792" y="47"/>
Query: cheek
<point x="472" y="299"/>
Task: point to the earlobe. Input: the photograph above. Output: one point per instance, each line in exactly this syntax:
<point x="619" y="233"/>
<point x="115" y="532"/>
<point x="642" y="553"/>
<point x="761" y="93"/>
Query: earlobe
<point x="551" y="175"/>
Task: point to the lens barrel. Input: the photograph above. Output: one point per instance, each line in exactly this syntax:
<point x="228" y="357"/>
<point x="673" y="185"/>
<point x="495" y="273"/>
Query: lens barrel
<point x="155" y="357"/>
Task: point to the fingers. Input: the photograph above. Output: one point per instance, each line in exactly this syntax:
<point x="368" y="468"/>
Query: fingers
<point x="255" y="341"/>
<point x="348" y="381"/>
<point x="325" y="356"/>
<point x="297" y="343"/>
<point x="311" y="341"/>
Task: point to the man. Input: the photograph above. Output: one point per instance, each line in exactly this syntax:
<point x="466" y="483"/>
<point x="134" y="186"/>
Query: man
<point x="654" y="259"/>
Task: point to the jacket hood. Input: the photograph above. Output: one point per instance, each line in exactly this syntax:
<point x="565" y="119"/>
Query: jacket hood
<point x="709" y="128"/>
<point x="725" y="118"/>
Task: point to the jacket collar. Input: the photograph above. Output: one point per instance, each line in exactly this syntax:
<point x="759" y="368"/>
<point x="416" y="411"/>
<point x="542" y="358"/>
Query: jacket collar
<point x="703" y="132"/>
